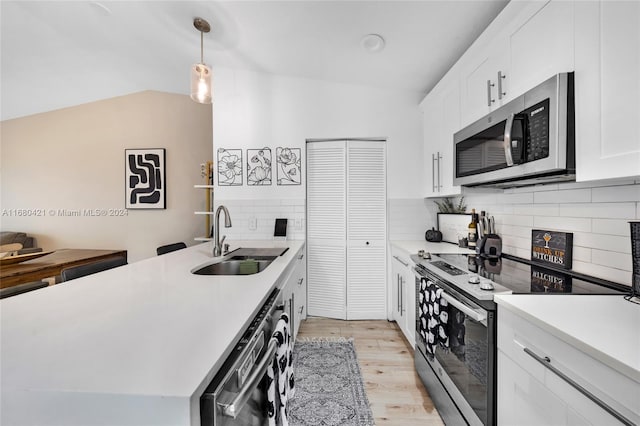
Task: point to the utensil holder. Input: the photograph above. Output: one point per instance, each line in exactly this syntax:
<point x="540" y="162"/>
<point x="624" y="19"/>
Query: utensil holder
<point x="635" y="258"/>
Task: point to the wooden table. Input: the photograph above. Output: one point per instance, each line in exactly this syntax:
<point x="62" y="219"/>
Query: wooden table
<point x="52" y="265"/>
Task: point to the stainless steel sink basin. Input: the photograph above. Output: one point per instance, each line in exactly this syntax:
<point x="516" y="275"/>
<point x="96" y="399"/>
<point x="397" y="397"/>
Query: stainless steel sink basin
<point x="232" y="266"/>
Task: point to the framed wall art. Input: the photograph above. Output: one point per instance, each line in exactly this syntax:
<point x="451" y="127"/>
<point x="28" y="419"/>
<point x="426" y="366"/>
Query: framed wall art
<point x="145" y="178"/>
<point x="288" y="167"/>
<point x="259" y="166"/>
<point x="229" y="167"/>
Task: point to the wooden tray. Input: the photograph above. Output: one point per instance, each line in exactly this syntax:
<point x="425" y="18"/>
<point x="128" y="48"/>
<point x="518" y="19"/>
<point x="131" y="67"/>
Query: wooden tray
<point x="12" y="260"/>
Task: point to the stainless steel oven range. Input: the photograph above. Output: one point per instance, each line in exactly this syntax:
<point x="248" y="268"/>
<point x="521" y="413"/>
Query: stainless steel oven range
<point x="461" y="377"/>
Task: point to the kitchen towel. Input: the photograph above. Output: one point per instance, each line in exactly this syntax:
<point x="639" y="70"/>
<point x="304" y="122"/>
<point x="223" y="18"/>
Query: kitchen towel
<point x="434" y="316"/>
<point x="280" y="375"/>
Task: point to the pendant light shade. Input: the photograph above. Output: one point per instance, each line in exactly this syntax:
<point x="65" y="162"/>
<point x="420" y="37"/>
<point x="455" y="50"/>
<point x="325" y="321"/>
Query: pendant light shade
<point x="201" y="73"/>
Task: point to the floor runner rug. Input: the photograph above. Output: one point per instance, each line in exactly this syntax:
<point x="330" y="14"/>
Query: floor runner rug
<point x="329" y="387"/>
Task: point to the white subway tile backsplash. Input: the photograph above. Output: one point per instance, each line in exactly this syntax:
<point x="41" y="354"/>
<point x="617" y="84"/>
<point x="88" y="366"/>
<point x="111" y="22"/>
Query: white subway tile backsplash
<point x="582" y="254"/>
<point x="567" y="196"/>
<point x="611" y="226"/>
<point x="517" y="220"/>
<point x="616" y="193"/>
<point x="638" y="210"/>
<point x="605" y="272"/>
<point x="612" y="259"/>
<point x="568" y="224"/>
<point x="517" y="198"/>
<point x="599" y="210"/>
<point x="537" y="209"/>
<point x="602" y="242"/>
<point x="516" y="231"/>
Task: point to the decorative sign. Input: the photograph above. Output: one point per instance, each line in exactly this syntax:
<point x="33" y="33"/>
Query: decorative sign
<point x="551" y="247"/>
<point x="145" y="178"/>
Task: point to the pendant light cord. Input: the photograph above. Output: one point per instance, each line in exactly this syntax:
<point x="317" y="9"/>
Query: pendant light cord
<point x="201" y="47"/>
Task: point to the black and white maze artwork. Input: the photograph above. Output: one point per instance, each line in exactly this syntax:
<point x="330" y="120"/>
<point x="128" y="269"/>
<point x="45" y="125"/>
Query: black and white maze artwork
<point x="145" y="180"/>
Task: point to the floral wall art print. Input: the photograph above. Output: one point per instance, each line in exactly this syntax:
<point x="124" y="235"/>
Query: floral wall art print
<point x="145" y="178"/>
<point x="288" y="166"/>
<point x="229" y="167"/>
<point x="259" y="166"/>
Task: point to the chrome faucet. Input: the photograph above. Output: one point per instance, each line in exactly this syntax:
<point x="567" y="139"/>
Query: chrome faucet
<point x="217" y="249"/>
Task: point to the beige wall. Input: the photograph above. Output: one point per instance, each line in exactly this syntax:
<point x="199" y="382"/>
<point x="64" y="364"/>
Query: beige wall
<point x="73" y="158"/>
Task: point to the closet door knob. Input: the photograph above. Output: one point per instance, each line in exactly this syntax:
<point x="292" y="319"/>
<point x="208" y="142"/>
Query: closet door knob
<point x="367" y="242"/>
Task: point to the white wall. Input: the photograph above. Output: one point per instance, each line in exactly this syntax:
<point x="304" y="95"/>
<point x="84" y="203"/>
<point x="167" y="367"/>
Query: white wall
<point x="73" y="158"/>
<point x="255" y="110"/>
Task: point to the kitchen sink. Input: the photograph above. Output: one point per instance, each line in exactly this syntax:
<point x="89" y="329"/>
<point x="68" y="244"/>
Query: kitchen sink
<point x="231" y="267"/>
<point x="231" y="263"/>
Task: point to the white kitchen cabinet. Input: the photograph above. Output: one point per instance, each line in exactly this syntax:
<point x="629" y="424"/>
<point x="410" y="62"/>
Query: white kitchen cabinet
<point x="403" y="294"/>
<point x="346" y="229"/>
<point x="530" y="393"/>
<point x="607" y="89"/>
<point x="293" y="294"/>
<point x="542" y="47"/>
<point x="441" y="119"/>
<point x="527" y="43"/>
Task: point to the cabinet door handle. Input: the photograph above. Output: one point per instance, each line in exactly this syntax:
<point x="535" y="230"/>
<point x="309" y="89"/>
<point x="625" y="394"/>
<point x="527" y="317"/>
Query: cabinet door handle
<point x="433" y="172"/>
<point x="507" y="140"/>
<point x="301" y="309"/>
<point x="301" y="256"/>
<point x="489" y="86"/>
<point x="398" y="292"/>
<point x="547" y="363"/>
<point x="400" y="260"/>
<point x="500" y="92"/>
<point x="401" y="281"/>
<point x="439" y="158"/>
<point x="300" y="281"/>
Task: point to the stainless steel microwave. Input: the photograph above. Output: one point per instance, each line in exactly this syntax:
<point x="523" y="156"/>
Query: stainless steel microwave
<point x="528" y="141"/>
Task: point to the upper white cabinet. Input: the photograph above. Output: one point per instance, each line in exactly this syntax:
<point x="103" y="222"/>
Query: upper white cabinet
<point x="441" y="119"/>
<point x="607" y="81"/>
<point x="528" y="43"/>
<point x="542" y="47"/>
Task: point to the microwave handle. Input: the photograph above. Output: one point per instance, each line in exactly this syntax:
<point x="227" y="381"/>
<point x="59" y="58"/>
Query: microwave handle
<point x="507" y="140"/>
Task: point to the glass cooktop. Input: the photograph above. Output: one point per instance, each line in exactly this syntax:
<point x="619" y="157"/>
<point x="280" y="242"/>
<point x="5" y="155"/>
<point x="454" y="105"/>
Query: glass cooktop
<point x="523" y="277"/>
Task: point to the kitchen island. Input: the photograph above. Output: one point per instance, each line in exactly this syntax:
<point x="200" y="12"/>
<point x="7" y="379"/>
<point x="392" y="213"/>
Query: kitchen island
<point x="135" y="345"/>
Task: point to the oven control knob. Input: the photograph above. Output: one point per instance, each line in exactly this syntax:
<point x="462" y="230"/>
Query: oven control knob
<point x="474" y="279"/>
<point x="486" y="285"/>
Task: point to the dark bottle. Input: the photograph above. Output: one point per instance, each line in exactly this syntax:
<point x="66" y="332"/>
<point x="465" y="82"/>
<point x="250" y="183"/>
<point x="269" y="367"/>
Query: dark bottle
<point x="473" y="230"/>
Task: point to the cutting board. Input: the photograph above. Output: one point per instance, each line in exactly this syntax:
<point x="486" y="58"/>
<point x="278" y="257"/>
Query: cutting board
<point x="453" y="225"/>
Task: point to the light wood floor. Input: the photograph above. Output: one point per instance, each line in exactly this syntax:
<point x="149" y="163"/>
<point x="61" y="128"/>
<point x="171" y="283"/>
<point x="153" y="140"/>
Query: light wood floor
<point x="396" y="395"/>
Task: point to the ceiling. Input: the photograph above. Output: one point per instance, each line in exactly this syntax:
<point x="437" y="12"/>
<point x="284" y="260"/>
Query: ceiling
<point x="56" y="54"/>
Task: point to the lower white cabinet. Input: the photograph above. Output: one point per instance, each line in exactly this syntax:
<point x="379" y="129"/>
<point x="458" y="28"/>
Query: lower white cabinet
<point x="403" y="294"/>
<point x="294" y="292"/>
<point x="539" y="377"/>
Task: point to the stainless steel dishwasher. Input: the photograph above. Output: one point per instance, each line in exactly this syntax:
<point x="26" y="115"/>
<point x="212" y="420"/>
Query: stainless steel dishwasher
<point x="237" y="395"/>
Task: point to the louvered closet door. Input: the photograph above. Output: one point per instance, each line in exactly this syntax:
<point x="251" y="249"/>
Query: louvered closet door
<point x="366" y="230"/>
<point x="326" y="229"/>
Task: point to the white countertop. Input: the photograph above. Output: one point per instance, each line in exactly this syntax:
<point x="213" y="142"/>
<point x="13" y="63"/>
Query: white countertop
<point x="412" y="247"/>
<point x="133" y="345"/>
<point x="605" y="327"/>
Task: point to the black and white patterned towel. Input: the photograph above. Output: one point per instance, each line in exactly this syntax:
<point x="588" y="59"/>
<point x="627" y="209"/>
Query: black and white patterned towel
<point x="281" y="385"/>
<point x="434" y="316"/>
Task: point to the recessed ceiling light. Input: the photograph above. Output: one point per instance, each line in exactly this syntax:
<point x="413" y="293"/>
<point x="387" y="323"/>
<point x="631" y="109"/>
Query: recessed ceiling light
<point x="372" y="43"/>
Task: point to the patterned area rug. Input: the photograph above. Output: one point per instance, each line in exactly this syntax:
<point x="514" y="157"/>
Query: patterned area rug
<point x="329" y="387"/>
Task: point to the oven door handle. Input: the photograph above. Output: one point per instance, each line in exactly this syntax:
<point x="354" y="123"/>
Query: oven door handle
<point x="471" y="313"/>
<point x="233" y="409"/>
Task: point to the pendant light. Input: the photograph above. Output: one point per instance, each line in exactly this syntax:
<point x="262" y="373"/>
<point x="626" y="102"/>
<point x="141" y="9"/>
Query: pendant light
<point x="200" y="73"/>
